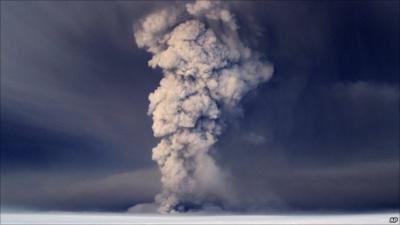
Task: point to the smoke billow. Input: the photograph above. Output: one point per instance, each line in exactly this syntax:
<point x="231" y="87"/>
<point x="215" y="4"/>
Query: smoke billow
<point x="207" y="70"/>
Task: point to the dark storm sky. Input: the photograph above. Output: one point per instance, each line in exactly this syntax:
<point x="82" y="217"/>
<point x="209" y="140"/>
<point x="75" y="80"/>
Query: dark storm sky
<point x="322" y="135"/>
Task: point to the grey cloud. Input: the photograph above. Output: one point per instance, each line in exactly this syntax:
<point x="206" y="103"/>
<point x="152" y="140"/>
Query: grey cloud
<point x="331" y="188"/>
<point x="364" y="90"/>
<point x="207" y="71"/>
<point x="254" y="138"/>
<point x="82" y="191"/>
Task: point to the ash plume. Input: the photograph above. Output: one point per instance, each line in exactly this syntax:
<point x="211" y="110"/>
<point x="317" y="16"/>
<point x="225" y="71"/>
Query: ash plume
<point x="207" y="70"/>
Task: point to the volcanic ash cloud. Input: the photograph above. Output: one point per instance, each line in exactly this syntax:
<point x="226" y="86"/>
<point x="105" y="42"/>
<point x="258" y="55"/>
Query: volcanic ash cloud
<point x="207" y="70"/>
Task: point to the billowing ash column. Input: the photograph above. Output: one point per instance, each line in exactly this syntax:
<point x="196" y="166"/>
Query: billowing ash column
<point x="207" y="70"/>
